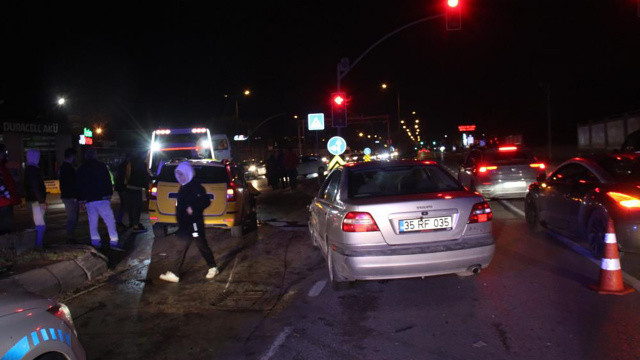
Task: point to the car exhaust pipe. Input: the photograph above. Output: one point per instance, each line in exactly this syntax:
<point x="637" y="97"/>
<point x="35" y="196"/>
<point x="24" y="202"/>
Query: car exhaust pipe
<point x="475" y="269"/>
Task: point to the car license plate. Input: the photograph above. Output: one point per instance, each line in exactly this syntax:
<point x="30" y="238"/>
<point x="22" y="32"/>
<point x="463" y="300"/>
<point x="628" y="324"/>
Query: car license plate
<point x="434" y="223"/>
<point x="514" y="184"/>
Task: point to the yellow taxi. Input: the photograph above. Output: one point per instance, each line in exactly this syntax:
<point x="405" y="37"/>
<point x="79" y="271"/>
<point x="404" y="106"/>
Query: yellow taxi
<point x="233" y="204"/>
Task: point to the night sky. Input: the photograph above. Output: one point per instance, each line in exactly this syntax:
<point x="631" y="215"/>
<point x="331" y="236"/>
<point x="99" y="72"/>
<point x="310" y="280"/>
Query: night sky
<point x="171" y="63"/>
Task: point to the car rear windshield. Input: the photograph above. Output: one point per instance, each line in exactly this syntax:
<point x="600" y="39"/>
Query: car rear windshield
<point x="508" y="157"/>
<point x="399" y="180"/>
<point x="622" y="168"/>
<point x="204" y="174"/>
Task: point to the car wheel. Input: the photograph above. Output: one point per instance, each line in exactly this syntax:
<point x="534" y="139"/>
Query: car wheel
<point x="160" y="231"/>
<point x="531" y="215"/>
<point x="237" y="231"/>
<point x="51" y="356"/>
<point x="337" y="282"/>
<point x="596" y="228"/>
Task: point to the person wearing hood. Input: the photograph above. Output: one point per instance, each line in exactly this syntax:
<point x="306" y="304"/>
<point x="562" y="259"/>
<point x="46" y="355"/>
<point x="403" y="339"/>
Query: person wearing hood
<point x="95" y="191"/>
<point x="192" y="201"/>
<point x="35" y="193"/>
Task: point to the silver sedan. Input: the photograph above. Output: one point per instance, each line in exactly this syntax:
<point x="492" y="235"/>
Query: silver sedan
<point x="399" y="219"/>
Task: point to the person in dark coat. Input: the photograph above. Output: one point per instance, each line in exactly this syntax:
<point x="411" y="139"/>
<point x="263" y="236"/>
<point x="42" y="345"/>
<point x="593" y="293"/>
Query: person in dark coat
<point x="69" y="190"/>
<point x="192" y="201"/>
<point x="35" y="193"/>
<point x="291" y="161"/>
<point x="95" y="191"/>
<point x="121" y="187"/>
<point x="282" y="171"/>
<point x="137" y="179"/>
<point x="272" y="171"/>
<point x="8" y="194"/>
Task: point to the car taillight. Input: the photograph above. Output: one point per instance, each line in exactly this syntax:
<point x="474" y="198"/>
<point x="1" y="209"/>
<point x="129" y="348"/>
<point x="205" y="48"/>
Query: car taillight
<point x="540" y="166"/>
<point x="231" y="192"/>
<point x="61" y="311"/>
<point x="484" y="169"/>
<point x="359" y="222"/>
<point x="480" y="212"/>
<point x="625" y="200"/>
<point x="153" y="192"/>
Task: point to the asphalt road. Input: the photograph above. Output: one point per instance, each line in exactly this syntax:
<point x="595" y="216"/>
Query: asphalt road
<point x="272" y="301"/>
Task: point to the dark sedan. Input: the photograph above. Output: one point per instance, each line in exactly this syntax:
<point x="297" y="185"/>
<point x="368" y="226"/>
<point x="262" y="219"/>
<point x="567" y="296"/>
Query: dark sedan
<point x="581" y="195"/>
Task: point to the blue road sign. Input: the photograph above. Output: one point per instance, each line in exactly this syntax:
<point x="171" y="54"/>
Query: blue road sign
<point x="336" y="145"/>
<point x="367" y="151"/>
<point x="315" y="121"/>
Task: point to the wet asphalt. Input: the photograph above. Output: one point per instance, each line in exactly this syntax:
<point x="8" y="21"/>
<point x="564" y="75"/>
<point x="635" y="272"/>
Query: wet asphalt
<point x="271" y="301"/>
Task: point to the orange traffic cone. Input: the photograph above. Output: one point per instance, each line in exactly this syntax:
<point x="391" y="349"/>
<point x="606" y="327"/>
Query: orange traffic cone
<point x="610" y="271"/>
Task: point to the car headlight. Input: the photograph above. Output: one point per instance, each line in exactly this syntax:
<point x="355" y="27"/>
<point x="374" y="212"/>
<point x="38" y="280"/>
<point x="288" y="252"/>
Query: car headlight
<point x="252" y="168"/>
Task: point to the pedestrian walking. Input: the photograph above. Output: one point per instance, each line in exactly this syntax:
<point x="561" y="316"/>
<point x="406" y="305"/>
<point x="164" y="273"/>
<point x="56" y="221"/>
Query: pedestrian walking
<point x="291" y="161"/>
<point x="137" y="179"/>
<point x="121" y="187"/>
<point x="94" y="192"/>
<point x="8" y="194"/>
<point x="272" y="171"/>
<point x="69" y="191"/>
<point x="192" y="201"/>
<point x="282" y="171"/>
<point x="36" y="193"/>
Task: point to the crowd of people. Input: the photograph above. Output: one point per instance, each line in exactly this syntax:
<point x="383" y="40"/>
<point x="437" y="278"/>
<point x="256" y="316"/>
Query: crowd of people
<point x="87" y="188"/>
<point x="282" y="169"/>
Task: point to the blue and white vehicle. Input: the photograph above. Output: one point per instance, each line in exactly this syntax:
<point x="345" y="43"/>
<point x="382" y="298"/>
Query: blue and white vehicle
<point x="32" y="327"/>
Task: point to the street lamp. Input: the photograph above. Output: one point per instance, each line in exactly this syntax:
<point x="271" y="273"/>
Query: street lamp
<point x="61" y="101"/>
<point x="383" y="86"/>
<point x="361" y="134"/>
<point x="99" y="131"/>
<point x="247" y="92"/>
<point x="413" y="113"/>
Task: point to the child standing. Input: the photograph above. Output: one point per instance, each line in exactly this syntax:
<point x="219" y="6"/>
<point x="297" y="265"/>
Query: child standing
<point x="192" y="201"/>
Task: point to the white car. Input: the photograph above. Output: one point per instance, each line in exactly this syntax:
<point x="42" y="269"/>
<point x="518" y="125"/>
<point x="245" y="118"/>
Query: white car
<point x="34" y="327"/>
<point x="310" y="165"/>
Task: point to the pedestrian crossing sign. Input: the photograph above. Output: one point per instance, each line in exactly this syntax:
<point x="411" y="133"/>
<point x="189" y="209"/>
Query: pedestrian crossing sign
<point x="315" y="121"/>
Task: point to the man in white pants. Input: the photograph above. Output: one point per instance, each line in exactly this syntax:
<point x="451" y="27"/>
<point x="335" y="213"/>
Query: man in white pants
<point x="95" y="191"/>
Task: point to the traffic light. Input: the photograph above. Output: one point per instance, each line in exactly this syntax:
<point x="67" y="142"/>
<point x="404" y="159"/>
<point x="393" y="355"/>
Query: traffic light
<point x="452" y="15"/>
<point x="339" y="109"/>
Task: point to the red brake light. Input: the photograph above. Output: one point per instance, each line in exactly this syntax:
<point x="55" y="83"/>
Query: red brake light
<point x="480" y="212"/>
<point x="507" y="148"/>
<point x="625" y="200"/>
<point x="231" y="192"/>
<point x="484" y="169"/>
<point x="61" y="311"/>
<point x="359" y="222"/>
<point x="540" y="166"/>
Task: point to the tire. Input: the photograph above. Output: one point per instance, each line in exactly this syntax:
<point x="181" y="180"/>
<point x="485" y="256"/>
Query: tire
<point x="160" y="231"/>
<point x="51" y="356"/>
<point x="595" y="230"/>
<point x="237" y="231"/>
<point x="532" y="216"/>
<point x="337" y="282"/>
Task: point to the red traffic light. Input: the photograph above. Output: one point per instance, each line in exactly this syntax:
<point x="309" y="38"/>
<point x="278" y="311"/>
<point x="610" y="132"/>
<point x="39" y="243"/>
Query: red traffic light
<point x="338" y="99"/>
<point x="453" y="3"/>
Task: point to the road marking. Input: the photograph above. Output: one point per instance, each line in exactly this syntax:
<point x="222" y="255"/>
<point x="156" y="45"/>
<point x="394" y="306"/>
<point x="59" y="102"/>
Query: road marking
<point x="317" y="288"/>
<point x="631" y="280"/>
<point x="231" y="275"/>
<point x="511" y="207"/>
<point x="277" y="343"/>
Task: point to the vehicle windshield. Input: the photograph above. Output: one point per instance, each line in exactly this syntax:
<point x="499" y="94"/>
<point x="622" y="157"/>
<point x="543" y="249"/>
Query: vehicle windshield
<point x="204" y="174"/>
<point x="508" y="157"/>
<point x="622" y="168"/>
<point x="399" y="180"/>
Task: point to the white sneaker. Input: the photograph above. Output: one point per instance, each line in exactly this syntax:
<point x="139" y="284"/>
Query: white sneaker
<point x="212" y="273"/>
<point x="170" y="277"/>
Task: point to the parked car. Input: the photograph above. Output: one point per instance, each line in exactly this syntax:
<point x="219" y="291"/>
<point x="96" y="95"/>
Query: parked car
<point x="502" y="172"/>
<point x="578" y="199"/>
<point x="310" y="165"/>
<point x="233" y="204"/>
<point x="399" y="219"/>
<point x="32" y="327"/>
<point x="254" y="169"/>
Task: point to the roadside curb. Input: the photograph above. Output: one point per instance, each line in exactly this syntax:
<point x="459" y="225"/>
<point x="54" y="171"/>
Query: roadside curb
<point x="61" y="277"/>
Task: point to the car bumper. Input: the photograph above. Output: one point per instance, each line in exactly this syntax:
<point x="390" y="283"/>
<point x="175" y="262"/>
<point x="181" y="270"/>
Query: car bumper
<point x="393" y="264"/>
<point x="504" y="190"/>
